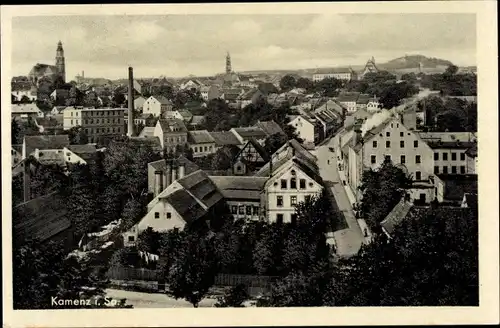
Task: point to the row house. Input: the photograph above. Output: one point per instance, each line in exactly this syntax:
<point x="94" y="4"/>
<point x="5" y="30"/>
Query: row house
<point x="345" y="74"/>
<point x="96" y="122"/>
<point x="157" y="105"/>
<point x="172" y="133"/>
<point x="201" y="143"/>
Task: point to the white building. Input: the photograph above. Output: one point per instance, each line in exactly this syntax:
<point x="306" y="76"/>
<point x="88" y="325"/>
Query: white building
<point x="156" y="105"/>
<point x="72" y="116"/>
<point x="304" y="127"/>
<point x="345" y="74"/>
<point x="201" y="143"/>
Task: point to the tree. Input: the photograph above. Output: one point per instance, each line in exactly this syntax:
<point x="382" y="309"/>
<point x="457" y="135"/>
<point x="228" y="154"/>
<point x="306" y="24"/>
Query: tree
<point x="133" y="211"/>
<point x="328" y="87"/>
<point x="149" y="241"/>
<point x="305" y="83"/>
<point x="382" y="190"/>
<point x="77" y="136"/>
<point x="234" y="297"/>
<point x="193" y="270"/>
<point x="432" y="260"/>
<point x="274" y="142"/>
<point x="221" y="160"/>
<point x="14" y="132"/>
<point x="118" y="99"/>
<point x="90" y="100"/>
<point x="287" y="83"/>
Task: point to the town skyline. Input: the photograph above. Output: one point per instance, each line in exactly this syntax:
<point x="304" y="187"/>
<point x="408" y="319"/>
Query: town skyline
<point x="282" y="42"/>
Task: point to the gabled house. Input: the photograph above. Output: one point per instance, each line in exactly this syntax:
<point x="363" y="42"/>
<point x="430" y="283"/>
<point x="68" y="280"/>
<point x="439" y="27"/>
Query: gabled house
<point x="210" y="92"/>
<point x="193" y="85"/>
<point x="305" y="127"/>
<point x="349" y="101"/>
<point x="172" y="133"/>
<point x="25" y="111"/>
<point x="139" y="103"/>
<point x="201" y="143"/>
<point x="251" y="158"/>
<point x="45" y="142"/>
<point x="231" y="95"/>
<point x="270" y="128"/>
<point x="156" y="105"/>
<point x="250" y="97"/>
<point x="244" y="134"/>
<point x="191" y="200"/>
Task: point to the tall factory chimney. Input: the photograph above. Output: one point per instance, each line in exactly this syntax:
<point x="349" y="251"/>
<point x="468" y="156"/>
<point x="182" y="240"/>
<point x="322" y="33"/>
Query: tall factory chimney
<point x="130" y="130"/>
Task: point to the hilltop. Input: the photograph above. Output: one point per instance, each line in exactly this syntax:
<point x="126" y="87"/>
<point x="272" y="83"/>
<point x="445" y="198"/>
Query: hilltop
<point x="413" y="61"/>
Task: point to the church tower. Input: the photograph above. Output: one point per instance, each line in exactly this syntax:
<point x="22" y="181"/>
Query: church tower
<point x="228" y="64"/>
<point x="61" y="67"/>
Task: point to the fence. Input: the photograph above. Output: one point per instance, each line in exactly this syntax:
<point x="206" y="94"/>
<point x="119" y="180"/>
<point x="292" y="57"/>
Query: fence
<point x="253" y="282"/>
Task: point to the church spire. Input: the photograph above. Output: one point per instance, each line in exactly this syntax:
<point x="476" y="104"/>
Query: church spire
<point x="228" y="64"/>
<point x="60" y="63"/>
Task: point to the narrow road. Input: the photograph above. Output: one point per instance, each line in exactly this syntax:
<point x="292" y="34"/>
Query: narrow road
<point x="348" y="235"/>
<point x="154" y="300"/>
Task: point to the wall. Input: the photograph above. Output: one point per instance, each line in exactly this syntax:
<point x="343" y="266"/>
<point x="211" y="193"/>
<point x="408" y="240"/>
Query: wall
<point x="305" y="129"/>
<point x="72" y="118"/>
<point x="97" y="122"/>
<point x="273" y="189"/>
<point x="460" y="163"/>
<point x="471" y="164"/>
<point x="244" y="203"/>
<point x="151" y="106"/>
<point x="200" y="150"/>
<point x="395" y="128"/>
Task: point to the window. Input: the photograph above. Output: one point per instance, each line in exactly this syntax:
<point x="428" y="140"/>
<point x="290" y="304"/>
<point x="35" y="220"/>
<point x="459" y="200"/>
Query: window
<point x="249" y="210"/>
<point x="293" y="183"/>
<point x="418" y="175"/>
<point x="453" y="156"/>
<point x="388" y="144"/>
<point x="453" y="170"/>
<point x="242" y="209"/>
<point x="283" y="184"/>
<point x="462" y="156"/>
<point x="462" y="169"/>
<point x="157" y="215"/>
<point x="279" y="201"/>
<point x="436" y="169"/>
<point x="195" y="149"/>
<point x="401" y="134"/>
<point x="387" y="158"/>
<point x="403" y="159"/>
<point x="302" y="183"/>
<point x="255" y="210"/>
<point x="402" y="144"/>
<point x="279" y="218"/>
<point x="374" y="159"/>
<point x="417" y="159"/>
<point x="71" y="120"/>
<point x="71" y="114"/>
<point x="374" y="144"/>
<point x="445" y="156"/>
<point x="169" y="215"/>
<point x="436" y="156"/>
<point x="234" y="209"/>
<point x="293" y="200"/>
<point x="131" y="238"/>
<point x="445" y="169"/>
<point x="387" y="134"/>
<point x="294" y="218"/>
<point x="415" y="143"/>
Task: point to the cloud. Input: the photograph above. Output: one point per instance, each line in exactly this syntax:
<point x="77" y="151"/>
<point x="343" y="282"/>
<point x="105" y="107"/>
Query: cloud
<point x="184" y="44"/>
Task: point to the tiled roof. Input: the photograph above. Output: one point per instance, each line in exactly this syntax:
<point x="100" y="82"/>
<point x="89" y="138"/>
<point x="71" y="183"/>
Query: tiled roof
<point x="197" y="119"/>
<point x="348" y="97"/>
<point x="172" y="125"/>
<point x="200" y="186"/>
<point x="240" y="187"/>
<point x="147" y="132"/>
<point x="81" y="149"/>
<point x="447" y="136"/>
<point x="270" y="127"/>
<point x="200" y="137"/>
<point x="396" y="216"/>
<point x="333" y="70"/>
<point x="186" y="205"/>
<point x="189" y="167"/>
<point x="45" y="142"/>
<point x="162" y="100"/>
<point x="223" y="138"/>
<point x="40" y="218"/>
<point x="186" y="115"/>
<point x="25" y="108"/>
<point x="48" y="157"/>
<point x="250" y="132"/>
<point x="450" y="144"/>
<point x="153" y="142"/>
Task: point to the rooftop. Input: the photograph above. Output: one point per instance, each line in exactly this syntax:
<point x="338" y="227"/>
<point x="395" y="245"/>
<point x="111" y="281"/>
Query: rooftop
<point x="396" y="216"/>
<point x="240" y="187"/>
<point x="45" y="142"/>
<point x="270" y="127"/>
<point x="200" y="137"/>
<point x="225" y="138"/>
<point x="250" y="132"/>
<point x="172" y="125"/>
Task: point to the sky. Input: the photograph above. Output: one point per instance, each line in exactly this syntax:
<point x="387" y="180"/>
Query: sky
<point x="180" y="45"/>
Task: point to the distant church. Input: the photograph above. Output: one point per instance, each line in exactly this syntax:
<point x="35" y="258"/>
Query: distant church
<point x="370" y="67"/>
<point x="230" y="77"/>
<point x="40" y="71"/>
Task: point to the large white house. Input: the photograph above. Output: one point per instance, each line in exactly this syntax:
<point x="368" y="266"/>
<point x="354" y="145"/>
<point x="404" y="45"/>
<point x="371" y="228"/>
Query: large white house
<point x="156" y="105"/>
<point x="304" y="127"/>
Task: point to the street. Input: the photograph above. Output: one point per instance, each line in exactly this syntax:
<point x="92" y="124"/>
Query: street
<point x="154" y="300"/>
<point x="349" y="236"/>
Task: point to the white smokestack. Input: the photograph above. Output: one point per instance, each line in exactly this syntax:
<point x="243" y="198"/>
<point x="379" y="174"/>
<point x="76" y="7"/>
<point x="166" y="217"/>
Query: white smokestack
<point x="375" y="120"/>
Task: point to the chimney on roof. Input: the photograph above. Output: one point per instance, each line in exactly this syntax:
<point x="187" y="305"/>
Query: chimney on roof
<point x="158" y="182"/>
<point x="182" y="170"/>
<point x="130" y="130"/>
<point x="168" y="173"/>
